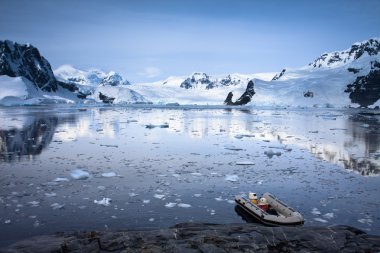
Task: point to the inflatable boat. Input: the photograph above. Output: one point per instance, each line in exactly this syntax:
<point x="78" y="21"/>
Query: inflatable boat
<point x="279" y="213"/>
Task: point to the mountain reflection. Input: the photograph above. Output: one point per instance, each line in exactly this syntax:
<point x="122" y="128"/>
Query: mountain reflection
<point x="30" y="140"/>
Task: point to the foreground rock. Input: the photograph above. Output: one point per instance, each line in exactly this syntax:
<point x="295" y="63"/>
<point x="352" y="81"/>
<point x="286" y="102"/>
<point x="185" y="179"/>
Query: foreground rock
<point x="193" y="237"/>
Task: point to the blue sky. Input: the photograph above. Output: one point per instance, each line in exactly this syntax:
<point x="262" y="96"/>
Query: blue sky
<point x="149" y="40"/>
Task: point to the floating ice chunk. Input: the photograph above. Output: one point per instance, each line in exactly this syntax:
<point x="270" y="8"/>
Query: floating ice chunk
<point x="61" y="179"/>
<point x="114" y="217"/>
<point x="320" y="220"/>
<point x="176" y="175"/>
<point x="7" y="221"/>
<point x="196" y="174"/>
<point x="109" y="174"/>
<point x="183" y="205"/>
<point x="245" y="163"/>
<point x="34" y="203"/>
<point x="230" y="201"/>
<point x="146" y="201"/>
<point x="365" y="221"/>
<point x="132" y="194"/>
<point x="79" y="174"/>
<point x="270" y="153"/>
<point x="315" y="211"/>
<point x="197" y="195"/>
<point x="50" y="194"/>
<point x="212" y="212"/>
<point x="159" y="196"/>
<point x="328" y="215"/>
<point x="101" y="187"/>
<point x="103" y="202"/>
<point x="232" y="178"/>
<point x="170" y="205"/>
<point x="56" y="206"/>
<point x="151" y="219"/>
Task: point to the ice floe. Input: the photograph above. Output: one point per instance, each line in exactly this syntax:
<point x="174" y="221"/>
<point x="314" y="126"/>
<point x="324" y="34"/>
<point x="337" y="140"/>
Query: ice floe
<point x="103" y="202"/>
<point x="232" y="178"/>
<point x="320" y="220"/>
<point x="159" y="196"/>
<point x="315" y="211"/>
<point x="56" y="206"/>
<point x="270" y="153"/>
<point x="245" y="163"/>
<point x="109" y="174"/>
<point x="79" y="174"/>
<point x="61" y="179"/>
<point x="170" y="205"/>
<point x="183" y="205"/>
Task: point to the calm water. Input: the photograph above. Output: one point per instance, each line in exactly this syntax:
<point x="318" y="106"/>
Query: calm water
<point x="184" y="167"/>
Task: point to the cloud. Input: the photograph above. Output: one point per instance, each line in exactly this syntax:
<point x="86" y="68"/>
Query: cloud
<point x="150" y="72"/>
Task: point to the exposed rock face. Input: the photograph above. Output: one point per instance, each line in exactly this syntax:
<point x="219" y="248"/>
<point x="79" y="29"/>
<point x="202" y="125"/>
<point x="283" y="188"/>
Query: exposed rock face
<point x="278" y="76"/>
<point x="26" y="61"/>
<point x="365" y="90"/>
<point x="105" y="99"/>
<point x="245" y="98"/>
<point x="193" y="237"/>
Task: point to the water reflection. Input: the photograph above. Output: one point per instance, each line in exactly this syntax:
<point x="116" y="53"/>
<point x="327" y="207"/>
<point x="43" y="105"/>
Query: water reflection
<point x="31" y="139"/>
<point x="348" y="139"/>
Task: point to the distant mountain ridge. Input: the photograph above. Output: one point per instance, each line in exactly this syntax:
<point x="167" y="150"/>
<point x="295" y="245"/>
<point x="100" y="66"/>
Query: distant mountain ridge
<point x="338" y="79"/>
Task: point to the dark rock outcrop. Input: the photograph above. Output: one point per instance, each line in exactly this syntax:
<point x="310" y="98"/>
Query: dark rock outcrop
<point x="26" y="61"/>
<point x="195" y="237"/>
<point x="198" y="79"/>
<point x="245" y="98"/>
<point x="105" y="99"/>
<point x="365" y="90"/>
<point x="278" y="76"/>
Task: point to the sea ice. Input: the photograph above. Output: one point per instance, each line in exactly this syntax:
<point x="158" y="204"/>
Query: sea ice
<point x="103" y="202"/>
<point x="146" y="201"/>
<point x="183" y="205"/>
<point x="315" y="211"/>
<point x="232" y="178"/>
<point x="7" y="221"/>
<point x="219" y="199"/>
<point x="197" y="195"/>
<point x="34" y="203"/>
<point x="245" y="163"/>
<point x="79" y="174"/>
<point x="109" y="174"/>
<point x="56" y="206"/>
<point x="61" y="179"/>
<point x="320" y="220"/>
<point x="196" y="174"/>
<point x="170" y="205"/>
<point x="132" y="194"/>
<point x="159" y="196"/>
<point x="50" y="194"/>
<point x="151" y="219"/>
<point x="328" y="215"/>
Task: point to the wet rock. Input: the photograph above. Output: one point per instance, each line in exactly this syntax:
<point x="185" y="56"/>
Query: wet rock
<point x="196" y="237"/>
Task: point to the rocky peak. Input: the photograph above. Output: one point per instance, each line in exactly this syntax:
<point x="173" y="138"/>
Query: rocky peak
<point x="278" y="76"/>
<point x="198" y="80"/>
<point x="114" y="79"/>
<point x="357" y="50"/>
<point x="25" y="60"/>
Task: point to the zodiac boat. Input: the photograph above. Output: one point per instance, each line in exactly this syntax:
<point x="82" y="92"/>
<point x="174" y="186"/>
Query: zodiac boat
<point x="285" y="215"/>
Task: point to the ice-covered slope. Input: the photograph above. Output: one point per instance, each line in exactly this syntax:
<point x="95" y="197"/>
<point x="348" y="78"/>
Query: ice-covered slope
<point x="199" y="88"/>
<point x="329" y="81"/>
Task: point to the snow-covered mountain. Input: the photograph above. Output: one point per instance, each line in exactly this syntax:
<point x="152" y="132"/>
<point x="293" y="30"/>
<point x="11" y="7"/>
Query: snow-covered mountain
<point x="337" y="79"/>
<point x="199" y="88"/>
<point x="27" y="78"/>
<point x="25" y="60"/>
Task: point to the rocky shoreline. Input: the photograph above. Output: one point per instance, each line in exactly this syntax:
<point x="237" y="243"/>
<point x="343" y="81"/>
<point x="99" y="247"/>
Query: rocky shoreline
<point x="201" y="237"/>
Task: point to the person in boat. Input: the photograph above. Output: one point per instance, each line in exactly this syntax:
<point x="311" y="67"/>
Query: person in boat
<point x="253" y="198"/>
<point x="263" y="204"/>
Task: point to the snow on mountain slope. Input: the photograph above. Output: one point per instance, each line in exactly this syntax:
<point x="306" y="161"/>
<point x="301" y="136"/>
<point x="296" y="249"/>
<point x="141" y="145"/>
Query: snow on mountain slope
<point x="326" y="81"/>
<point x="199" y="88"/>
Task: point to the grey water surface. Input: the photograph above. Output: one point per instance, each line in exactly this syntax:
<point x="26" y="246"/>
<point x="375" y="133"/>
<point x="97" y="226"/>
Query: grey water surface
<point x="84" y="168"/>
